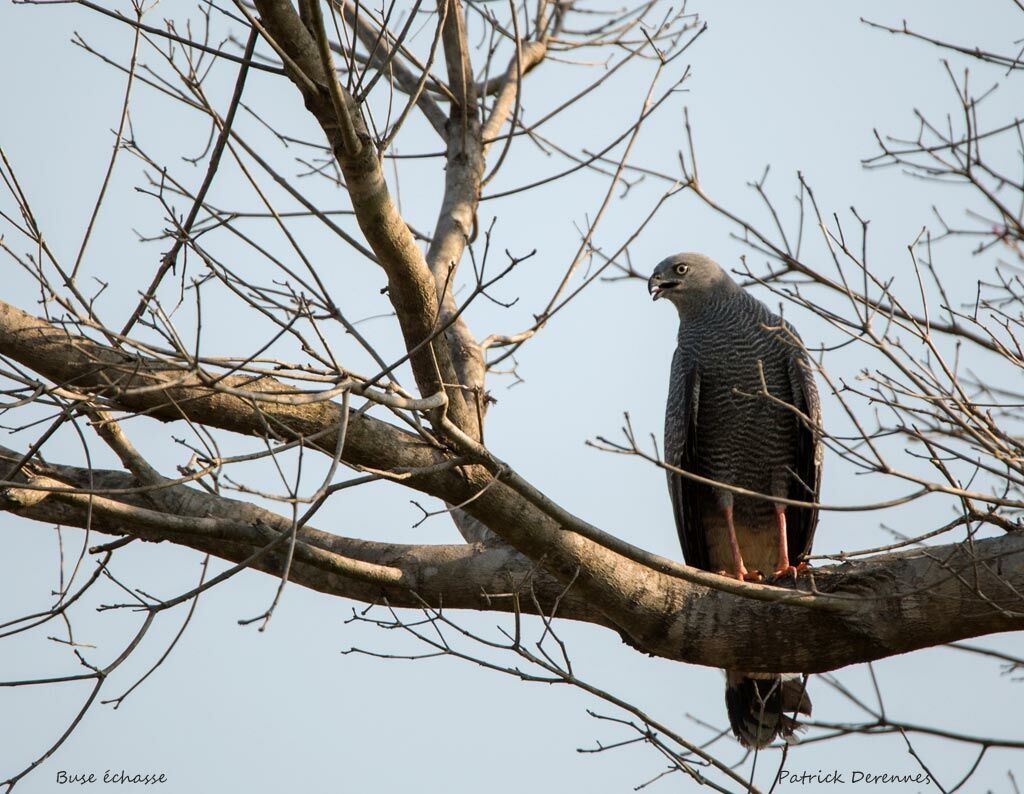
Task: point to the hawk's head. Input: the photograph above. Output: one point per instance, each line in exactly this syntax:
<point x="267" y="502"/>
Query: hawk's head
<point x="687" y="279"/>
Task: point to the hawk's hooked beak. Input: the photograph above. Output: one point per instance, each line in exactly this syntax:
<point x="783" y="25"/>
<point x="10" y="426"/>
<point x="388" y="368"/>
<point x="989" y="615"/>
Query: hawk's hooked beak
<point x="657" y="287"/>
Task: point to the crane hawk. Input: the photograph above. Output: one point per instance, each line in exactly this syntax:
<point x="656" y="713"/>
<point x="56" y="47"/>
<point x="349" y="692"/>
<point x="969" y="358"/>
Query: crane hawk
<point x="742" y="411"/>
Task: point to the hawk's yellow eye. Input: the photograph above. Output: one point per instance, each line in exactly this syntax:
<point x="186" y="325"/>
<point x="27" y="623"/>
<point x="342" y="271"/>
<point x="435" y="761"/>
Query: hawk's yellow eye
<point x="681" y="269"/>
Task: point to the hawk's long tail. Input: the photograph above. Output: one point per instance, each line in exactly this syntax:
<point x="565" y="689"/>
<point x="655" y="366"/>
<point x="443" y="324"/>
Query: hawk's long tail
<point x="763" y="706"/>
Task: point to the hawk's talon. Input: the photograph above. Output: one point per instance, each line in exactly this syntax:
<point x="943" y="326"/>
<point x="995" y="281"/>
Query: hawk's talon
<point x="742" y="576"/>
<point x="788" y="570"/>
<point x="791" y="570"/>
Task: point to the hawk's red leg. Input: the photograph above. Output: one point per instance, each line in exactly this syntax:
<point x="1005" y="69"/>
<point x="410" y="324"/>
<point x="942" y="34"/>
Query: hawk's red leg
<point x="739" y="570"/>
<point x="784" y="568"/>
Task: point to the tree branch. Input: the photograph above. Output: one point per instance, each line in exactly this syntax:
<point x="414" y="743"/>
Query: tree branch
<point x="871" y="608"/>
<point x="411" y="287"/>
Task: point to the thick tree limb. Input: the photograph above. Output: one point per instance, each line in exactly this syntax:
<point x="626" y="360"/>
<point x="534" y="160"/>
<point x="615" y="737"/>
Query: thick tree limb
<point x="872" y="608"/>
<point x="458" y="576"/>
<point x="456" y="220"/>
<point x="411" y="286"/>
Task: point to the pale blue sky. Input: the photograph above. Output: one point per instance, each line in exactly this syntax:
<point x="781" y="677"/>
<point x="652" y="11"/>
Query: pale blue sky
<point x="798" y="85"/>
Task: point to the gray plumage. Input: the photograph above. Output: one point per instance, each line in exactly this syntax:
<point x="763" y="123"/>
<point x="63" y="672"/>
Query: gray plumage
<point x="720" y="425"/>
